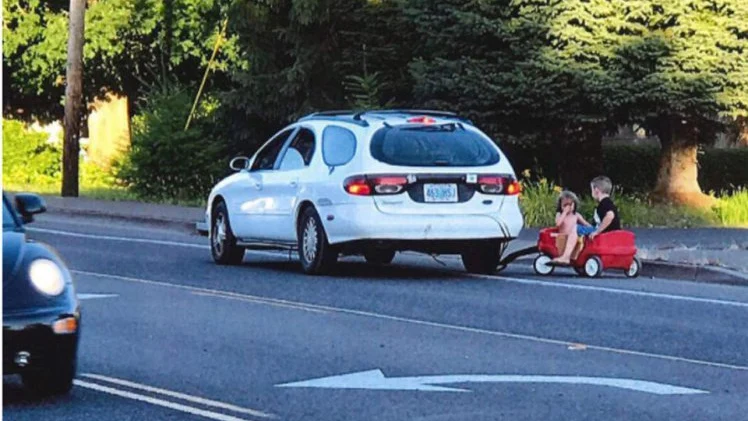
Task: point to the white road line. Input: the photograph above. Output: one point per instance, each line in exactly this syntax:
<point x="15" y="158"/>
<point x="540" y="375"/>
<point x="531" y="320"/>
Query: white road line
<point x="613" y="290"/>
<point x="159" y="402"/>
<point x="113" y="238"/>
<point x="85" y="296"/>
<point x="183" y="396"/>
<point x="258" y="301"/>
<point x="147" y="241"/>
<point x="500" y="334"/>
<point x="493" y="277"/>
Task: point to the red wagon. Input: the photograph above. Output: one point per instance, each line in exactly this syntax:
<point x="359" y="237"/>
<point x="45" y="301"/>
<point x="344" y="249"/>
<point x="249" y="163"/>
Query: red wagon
<point x="611" y="250"/>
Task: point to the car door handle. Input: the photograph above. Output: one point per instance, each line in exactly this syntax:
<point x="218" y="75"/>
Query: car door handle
<point x="293" y="183"/>
<point x="257" y="185"/>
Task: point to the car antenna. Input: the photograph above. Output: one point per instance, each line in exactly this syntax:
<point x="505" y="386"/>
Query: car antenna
<point x="433" y="256"/>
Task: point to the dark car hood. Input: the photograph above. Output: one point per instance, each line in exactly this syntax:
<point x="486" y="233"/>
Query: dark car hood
<point x="13" y="248"/>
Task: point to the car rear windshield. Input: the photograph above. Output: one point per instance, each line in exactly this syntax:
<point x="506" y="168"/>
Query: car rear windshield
<point x="446" y="145"/>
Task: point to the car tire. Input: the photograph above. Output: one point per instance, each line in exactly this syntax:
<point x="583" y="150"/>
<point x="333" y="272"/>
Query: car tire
<point x="482" y="258"/>
<point x="540" y="265"/>
<point x="54" y="380"/>
<point x="223" y="245"/>
<point x="635" y="268"/>
<point x="317" y="256"/>
<point x="379" y="256"/>
<point x="593" y="267"/>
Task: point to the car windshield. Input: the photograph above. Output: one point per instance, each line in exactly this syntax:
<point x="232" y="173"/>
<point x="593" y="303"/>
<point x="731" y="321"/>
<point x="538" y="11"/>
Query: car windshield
<point x="9" y="222"/>
<point x="444" y="145"/>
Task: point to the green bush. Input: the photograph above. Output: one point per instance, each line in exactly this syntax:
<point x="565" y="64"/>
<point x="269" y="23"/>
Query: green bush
<point x="538" y="203"/>
<point x="732" y="210"/>
<point x="723" y="169"/>
<point x="27" y="157"/>
<point x="167" y="162"/>
<point x="634" y="167"/>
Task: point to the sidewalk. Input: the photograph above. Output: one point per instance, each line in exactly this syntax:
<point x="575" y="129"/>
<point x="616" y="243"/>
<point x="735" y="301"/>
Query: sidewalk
<point x="146" y="212"/>
<point x="697" y="248"/>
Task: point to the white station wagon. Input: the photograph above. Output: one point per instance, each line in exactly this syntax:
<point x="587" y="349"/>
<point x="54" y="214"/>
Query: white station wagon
<point x="370" y="183"/>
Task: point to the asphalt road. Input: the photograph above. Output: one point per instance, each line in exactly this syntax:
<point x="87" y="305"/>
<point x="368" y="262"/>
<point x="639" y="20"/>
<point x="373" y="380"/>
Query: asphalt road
<point x="169" y="335"/>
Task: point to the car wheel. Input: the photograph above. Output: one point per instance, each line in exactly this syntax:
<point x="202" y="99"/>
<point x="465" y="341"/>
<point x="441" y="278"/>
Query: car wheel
<point x="379" y="256"/>
<point x="55" y="380"/>
<point x="482" y="258"/>
<point x="635" y="268"/>
<point x="593" y="267"/>
<point x="222" y="241"/>
<point x="317" y="255"/>
<point x="541" y="265"/>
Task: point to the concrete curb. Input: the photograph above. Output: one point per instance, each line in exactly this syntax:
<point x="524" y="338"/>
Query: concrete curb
<point x="693" y="273"/>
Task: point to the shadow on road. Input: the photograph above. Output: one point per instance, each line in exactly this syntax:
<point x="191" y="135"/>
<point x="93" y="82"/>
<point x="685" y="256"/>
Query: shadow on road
<point x="361" y="270"/>
<point x="15" y="395"/>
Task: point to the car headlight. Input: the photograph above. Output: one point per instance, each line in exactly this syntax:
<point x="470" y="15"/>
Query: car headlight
<point x="47" y="277"/>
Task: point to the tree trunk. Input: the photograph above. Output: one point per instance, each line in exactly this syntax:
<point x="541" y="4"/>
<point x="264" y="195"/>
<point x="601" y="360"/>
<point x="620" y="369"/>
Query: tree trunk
<point x="73" y="99"/>
<point x="741" y="131"/>
<point x="581" y="160"/>
<point x="677" y="178"/>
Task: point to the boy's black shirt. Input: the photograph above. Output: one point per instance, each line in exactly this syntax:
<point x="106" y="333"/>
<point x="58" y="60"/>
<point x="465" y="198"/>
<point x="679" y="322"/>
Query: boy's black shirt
<point x="602" y="209"/>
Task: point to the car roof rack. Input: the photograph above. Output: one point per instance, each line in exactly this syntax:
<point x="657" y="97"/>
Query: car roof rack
<point x="347" y="116"/>
<point x="355" y="116"/>
<point x="431" y="113"/>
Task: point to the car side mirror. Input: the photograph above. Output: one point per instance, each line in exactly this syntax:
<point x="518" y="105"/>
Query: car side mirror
<point x="28" y="205"/>
<point x="239" y="163"/>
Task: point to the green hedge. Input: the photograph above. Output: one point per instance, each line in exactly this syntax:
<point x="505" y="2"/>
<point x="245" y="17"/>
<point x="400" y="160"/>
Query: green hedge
<point x="27" y="157"/>
<point x="634" y="167"/>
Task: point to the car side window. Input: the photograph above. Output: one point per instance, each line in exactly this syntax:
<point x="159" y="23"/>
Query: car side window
<point x="304" y="143"/>
<point x="338" y="146"/>
<point x="265" y="159"/>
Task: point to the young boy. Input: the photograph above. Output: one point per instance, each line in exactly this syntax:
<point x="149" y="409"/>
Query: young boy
<point x="606" y="216"/>
<point x="606" y="213"/>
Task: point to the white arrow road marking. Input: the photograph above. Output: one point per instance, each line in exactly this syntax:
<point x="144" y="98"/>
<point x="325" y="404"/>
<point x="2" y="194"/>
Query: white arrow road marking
<point x="84" y="296"/>
<point x="375" y="380"/>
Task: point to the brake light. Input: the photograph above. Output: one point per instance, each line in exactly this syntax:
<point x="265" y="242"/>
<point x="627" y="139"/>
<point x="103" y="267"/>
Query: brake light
<point x="357" y="186"/>
<point x="499" y="184"/>
<point x="362" y="185"/>
<point x="422" y="120"/>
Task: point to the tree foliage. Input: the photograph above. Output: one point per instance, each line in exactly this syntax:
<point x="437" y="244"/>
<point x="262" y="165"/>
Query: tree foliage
<point x="129" y="43"/>
<point x="554" y="72"/>
<point x="166" y="161"/>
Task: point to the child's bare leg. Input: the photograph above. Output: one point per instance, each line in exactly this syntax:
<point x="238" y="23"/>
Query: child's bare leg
<point x="571" y="242"/>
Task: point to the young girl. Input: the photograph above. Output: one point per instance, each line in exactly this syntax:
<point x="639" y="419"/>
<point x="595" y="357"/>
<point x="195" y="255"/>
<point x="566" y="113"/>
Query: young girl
<point x="567" y="221"/>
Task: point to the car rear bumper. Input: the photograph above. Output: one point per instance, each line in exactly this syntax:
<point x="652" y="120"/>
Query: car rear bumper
<point x="349" y="223"/>
<point x="33" y="336"/>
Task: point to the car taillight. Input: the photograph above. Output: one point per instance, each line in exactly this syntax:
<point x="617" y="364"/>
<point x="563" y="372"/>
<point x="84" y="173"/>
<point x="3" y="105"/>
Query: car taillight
<point x="362" y="185"/>
<point x="499" y="184"/>
<point x="357" y="186"/>
<point x="422" y="120"/>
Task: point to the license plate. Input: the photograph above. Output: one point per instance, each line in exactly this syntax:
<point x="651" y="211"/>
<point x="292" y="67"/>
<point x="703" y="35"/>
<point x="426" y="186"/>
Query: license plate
<point x="439" y="193"/>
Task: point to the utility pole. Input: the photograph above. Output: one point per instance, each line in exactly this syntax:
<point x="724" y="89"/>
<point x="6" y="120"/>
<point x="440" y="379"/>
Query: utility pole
<point x="73" y="98"/>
